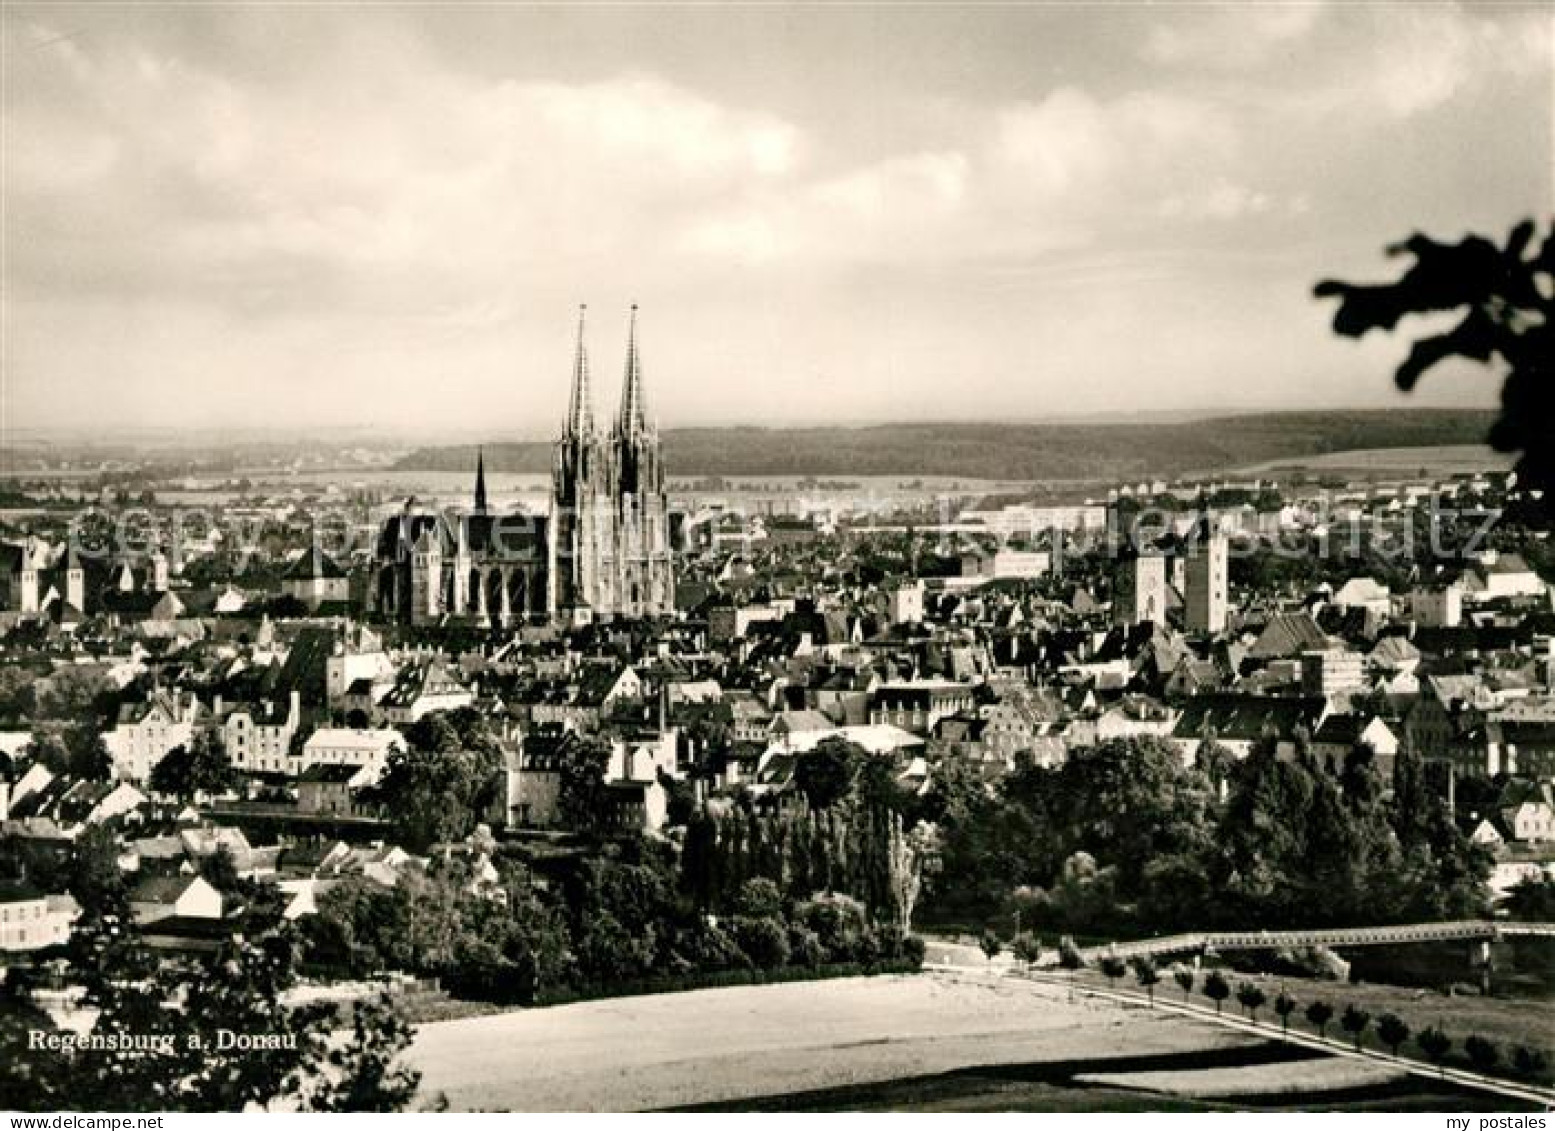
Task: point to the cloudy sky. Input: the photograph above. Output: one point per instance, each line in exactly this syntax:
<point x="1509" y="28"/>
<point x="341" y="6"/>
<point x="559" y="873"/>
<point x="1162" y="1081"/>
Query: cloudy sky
<point x="269" y="215"/>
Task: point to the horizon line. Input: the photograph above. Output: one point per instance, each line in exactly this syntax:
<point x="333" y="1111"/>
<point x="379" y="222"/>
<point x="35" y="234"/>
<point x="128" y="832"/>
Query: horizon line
<point x="101" y="437"/>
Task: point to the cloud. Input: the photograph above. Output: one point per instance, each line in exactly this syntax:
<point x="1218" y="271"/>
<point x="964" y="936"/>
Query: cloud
<point x="1072" y="144"/>
<point x="1424" y="58"/>
<point x="899" y="206"/>
<point x="1030" y="177"/>
<point x="369" y="215"/>
<point x="186" y="180"/>
<point x="1224" y="200"/>
<point x="1233" y="36"/>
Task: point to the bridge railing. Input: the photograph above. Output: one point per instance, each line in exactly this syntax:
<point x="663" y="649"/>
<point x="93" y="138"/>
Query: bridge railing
<point x="1452" y="931"/>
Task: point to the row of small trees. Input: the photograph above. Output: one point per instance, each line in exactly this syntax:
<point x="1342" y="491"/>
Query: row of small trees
<point x="1393" y="1031"/>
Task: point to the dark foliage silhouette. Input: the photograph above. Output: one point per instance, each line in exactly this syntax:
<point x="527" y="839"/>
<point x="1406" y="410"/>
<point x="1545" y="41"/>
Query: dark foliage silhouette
<point x="1507" y="297"/>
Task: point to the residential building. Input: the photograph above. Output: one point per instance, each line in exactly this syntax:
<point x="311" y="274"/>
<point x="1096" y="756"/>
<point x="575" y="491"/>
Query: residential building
<point x="31" y="920"/>
<point x="180" y="896"/>
<point x="147" y="729"/>
<point x="1331" y="671"/>
<point x="362" y="749"/>
<point x="421" y="688"/>
<point x="258" y="736"/>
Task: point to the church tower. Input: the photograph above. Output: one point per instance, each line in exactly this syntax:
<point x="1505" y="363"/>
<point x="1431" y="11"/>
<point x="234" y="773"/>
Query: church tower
<point x="426" y="577"/>
<point x="480" y="481"/>
<point x="609" y="511"/>
<point x="642" y="540"/>
<point x="578" y="493"/>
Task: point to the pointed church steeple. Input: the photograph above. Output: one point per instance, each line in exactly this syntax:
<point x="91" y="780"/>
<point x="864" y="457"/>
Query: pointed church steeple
<point x="480" y="481"/>
<point x="580" y="408"/>
<point x="634" y="408"/>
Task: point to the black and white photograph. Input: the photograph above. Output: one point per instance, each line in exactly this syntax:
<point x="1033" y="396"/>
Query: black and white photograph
<point x="925" y="556"/>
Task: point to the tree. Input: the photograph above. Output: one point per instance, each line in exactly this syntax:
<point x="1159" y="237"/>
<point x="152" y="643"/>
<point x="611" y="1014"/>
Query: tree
<point x="1354" y="1021"/>
<point x="48" y="748"/>
<point x="201" y="767"/>
<point x="89" y="756"/>
<point x="892" y="861"/>
<point x="1483" y="1053"/>
<point x="1184" y="979"/>
<point x="759" y="898"/>
<point x="32" y="1082"/>
<point x="1529" y="1061"/>
<point x="1112" y="968"/>
<point x="365" y="1073"/>
<point x="1213" y="760"/>
<point x="764" y="941"/>
<point x="185" y="1006"/>
<point x="825" y="774"/>
<point x="1216" y="988"/>
<point x="1507" y="296"/>
<point x="18" y="692"/>
<point x="990" y="945"/>
<point x="436" y="789"/>
<point x="1392" y="1030"/>
<point x="1146" y="974"/>
<point x="94" y="877"/>
<point x="1251" y="999"/>
<point x="1435" y="1044"/>
<point x="680" y="804"/>
<point x="1320" y="1013"/>
<point x="1284" y="1006"/>
<point x="1027" y="947"/>
<point x="1532" y="900"/>
<point x="1070" y="958"/>
<point x="220" y="870"/>
<point x="581" y="795"/>
<point x="76" y="694"/>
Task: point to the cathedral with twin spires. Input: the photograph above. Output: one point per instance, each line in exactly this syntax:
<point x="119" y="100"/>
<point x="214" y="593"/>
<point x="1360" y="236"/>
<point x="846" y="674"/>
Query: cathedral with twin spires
<point x="603" y="551"/>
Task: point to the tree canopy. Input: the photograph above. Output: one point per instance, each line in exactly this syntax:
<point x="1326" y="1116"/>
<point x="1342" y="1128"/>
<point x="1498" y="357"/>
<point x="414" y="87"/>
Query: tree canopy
<point x="1506" y="294"/>
<point x="200" y="766"/>
<point x="439" y="787"/>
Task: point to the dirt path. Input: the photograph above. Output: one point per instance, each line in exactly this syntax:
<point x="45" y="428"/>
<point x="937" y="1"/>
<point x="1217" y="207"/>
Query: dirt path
<point x="710" y="1045"/>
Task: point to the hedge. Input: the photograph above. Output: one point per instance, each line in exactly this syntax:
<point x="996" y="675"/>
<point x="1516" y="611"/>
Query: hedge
<point x="716" y="979"/>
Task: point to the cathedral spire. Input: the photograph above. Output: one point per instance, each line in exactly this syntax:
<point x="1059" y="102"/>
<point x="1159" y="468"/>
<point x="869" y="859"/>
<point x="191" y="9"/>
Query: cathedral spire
<point x="580" y="409"/>
<point x="634" y="408"/>
<point x="480" y="481"/>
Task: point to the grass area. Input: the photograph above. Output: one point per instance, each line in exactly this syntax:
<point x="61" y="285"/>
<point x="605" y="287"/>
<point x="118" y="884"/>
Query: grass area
<point x="448" y="1009"/>
<point x="1437" y="459"/>
<point x="1055" y="1086"/>
<point x="1521" y="969"/>
<point x="961" y="1093"/>
<point x="1507" y="1022"/>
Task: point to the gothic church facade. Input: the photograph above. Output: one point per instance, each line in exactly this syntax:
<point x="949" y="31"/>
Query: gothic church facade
<point x="603" y="551"/>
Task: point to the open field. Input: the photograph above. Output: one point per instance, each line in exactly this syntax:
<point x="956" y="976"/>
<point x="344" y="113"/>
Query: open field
<point x="1441" y="459"/>
<point x="1318" y="1074"/>
<point x="710" y="1045"/>
<point x="959" y="1043"/>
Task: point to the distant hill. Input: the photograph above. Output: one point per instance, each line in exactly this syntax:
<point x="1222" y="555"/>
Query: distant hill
<point x="1014" y="451"/>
